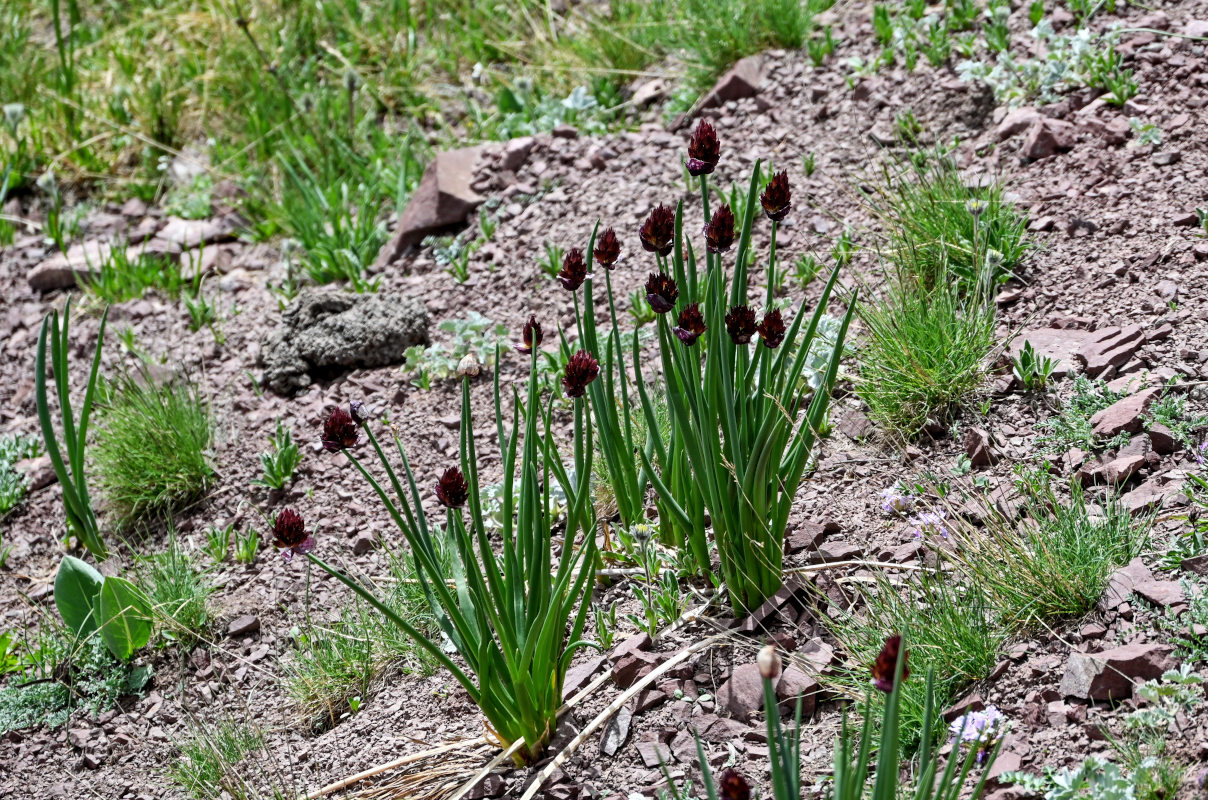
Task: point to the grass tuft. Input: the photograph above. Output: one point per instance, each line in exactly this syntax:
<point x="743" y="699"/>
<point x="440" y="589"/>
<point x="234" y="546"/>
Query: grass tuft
<point x="150" y="455"/>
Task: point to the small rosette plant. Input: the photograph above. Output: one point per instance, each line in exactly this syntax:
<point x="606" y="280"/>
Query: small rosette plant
<point x="515" y="616"/>
<point x="741" y="433"/>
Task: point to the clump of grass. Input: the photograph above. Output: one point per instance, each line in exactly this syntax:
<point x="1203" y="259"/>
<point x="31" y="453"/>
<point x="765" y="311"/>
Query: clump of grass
<point x="150" y="454"/>
<point x="951" y="627"/>
<point x="1055" y="563"/>
<point x="229" y="758"/>
<point x="339" y="665"/>
<point x="123" y="275"/>
<point x="179" y="594"/>
<point x="925" y="350"/>
<point x="941" y="228"/>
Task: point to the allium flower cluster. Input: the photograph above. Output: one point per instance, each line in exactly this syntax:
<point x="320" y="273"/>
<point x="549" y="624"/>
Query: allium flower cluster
<point x="885" y="667"/>
<point x="771" y="330"/>
<point x="608" y="249"/>
<point x="979" y="730"/>
<point x="896" y="500"/>
<point x="532" y="336"/>
<point x="740" y="324"/>
<point x="731" y="785"/>
<point x="719" y="231"/>
<point x="662" y="292"/>
<point x="777" y="198"/>
<point x="658" y="231"/>
<point x="690" y="326"/>
<point x="340" y="431"/>
<point x="581" y="370"/>
<point x="929" y="523"/>
<point x="704" y="151"/>
<point x="290" y="535"/>
<point x="574" y="270"/>
<point x="452" y="490"/>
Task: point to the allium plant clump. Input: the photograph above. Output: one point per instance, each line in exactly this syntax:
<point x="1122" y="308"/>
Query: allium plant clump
<point x="515" y="618"/>
<point x="741" y="434"/>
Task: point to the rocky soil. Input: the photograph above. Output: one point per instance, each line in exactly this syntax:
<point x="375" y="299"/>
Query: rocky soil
<point x="1117" y="288"/>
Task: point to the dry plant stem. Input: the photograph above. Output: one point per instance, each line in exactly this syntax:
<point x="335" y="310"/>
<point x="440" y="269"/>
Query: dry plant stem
<point x="398" y="762"/>
<point x="853" y="563"/>
<point x="613" y="708"/>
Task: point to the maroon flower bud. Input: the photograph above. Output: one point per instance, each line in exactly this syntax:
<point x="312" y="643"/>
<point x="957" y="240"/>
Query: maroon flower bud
<point x="452" y="489"/>
<point x="532" y="336"/>
<point x="740" y="324"/>
<point x="574" y="270"/>
<point x="703" y="149"/>
<point x="731" y="785"/>
<point x="581" y="370"/>
<point x="661" y="291"/>
<point x="885" y="666"/>
<point x="719" y="231"/>
<point x="690" y="326"/>
<point x="340" y="431"/>
<point x="658" y="230"/>
<point x="608" y="249"/>
<point x="358" y="412"/>
<point x="777" y="199"/>
<point x="289" y="534"/>
<point x="771" y="330"/>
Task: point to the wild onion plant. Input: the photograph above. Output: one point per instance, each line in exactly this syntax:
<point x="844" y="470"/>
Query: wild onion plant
<point x="739" y="445"/>
<point x="853" y="756"/>
<point x="515" y="618"/>
<point x="81" y="521"/>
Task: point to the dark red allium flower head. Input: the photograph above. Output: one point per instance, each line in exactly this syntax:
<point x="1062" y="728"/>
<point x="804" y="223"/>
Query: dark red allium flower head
<point x="574" y="270"/>
<point x="451" y="489"/>
<point x="690" y="326"/>
<point x="703" y="149"/>
<point x="740" y="324"/>
<point x="581" y="369"/>
<point x="731" y="785"/>
<point x="532" y="336"/>
<point x="358" y="412"/>
<point x="719" y="231"/>
<point x="886" y="664"/>
<point x="289" y="534"/>
<point x="777" y="199"/>
<point x="658" y="230"/>
<point x="771" y="330"/>
<point x="661" y="291"/>
<point x="608" y="249"/>
<point x="340" y="431"/>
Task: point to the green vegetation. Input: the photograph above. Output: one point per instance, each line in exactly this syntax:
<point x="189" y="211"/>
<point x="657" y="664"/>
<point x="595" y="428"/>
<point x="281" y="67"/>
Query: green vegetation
<point x="340" y="664"/>
<point x="925" y="352"/>
<point x="1071" y="427"/>
<point x="279" y="463"/>
<point x="1056" y="564"/>
<point x="14" y="484"/>
<point x="473" y="334"/>
<point x="178" y="593"/>
<point x="151" y="448"/>
<point x="81" y="519"/>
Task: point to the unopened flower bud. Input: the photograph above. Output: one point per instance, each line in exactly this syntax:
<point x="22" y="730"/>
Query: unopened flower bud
<point x="468" y="367"/>
<point x="769" y="662"/>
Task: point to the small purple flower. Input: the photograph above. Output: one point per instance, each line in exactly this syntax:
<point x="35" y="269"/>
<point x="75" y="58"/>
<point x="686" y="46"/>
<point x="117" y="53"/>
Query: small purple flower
<point x="1201" y="452"/>
<point x="896" y="500"/>
<point x="979" y="730"/>
<point x="929" y="523"/>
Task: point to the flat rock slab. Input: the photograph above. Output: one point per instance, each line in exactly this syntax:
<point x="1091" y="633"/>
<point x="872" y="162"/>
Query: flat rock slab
<point x="1110" y="347"/>
<point x="61" y="270"/>
<point x="1124" y="415"/>
<point x="323" y="334"/>
<point x="1111" y="674"/>
<point x="1060" y="344"/>
<point x="444" y="198"/>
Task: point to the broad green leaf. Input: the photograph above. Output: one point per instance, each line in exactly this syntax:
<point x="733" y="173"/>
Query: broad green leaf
<point x="124" y="614"/>
<point x="77" y="586"/>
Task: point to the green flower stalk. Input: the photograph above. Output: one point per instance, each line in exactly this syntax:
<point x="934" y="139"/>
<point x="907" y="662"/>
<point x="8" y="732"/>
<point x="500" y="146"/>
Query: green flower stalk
<point x="741" y="434"/>
<point x="515" y="617"/>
